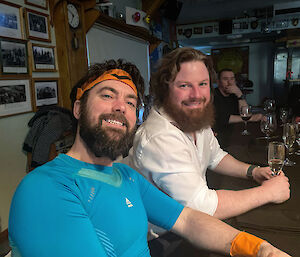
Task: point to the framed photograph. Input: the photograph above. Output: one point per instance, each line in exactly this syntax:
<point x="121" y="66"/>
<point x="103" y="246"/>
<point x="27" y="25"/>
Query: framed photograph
<point x="10" y="20"/>
<point x="14" y="97"/>
<point x="37" y="25"/>
<point x="38" y="3"/>
<point x="44" y="58"/>
<point x="13" y="56"/>
<point x="45" y="91"/>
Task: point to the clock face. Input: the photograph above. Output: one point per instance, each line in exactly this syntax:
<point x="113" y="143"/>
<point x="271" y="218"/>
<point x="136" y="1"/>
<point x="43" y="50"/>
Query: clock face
<point x="73" y="16"/>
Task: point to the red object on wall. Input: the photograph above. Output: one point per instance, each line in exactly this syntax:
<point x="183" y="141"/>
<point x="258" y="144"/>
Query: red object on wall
<point x="136" y="16"/>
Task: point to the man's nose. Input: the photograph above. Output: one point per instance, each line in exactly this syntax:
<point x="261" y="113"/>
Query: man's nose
<point x="195" y="92"/>
<point x="119" y="106"/>
<point x="228" y="84"/>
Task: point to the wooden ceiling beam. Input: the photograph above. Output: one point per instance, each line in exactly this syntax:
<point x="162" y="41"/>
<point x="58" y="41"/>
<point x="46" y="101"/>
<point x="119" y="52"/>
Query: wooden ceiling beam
<point x="151" y="6"/>
<point x="90" y="17"/>
<point x="91" y="14"/>
<point x="88" y="4"/>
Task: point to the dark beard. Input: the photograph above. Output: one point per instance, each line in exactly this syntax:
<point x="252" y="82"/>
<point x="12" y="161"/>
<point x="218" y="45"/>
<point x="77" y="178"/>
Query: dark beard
<point x="108" y="142"/>
<point x="191" y="120"/>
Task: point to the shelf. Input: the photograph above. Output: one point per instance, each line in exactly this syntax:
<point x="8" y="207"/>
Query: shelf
<point x="291" y="80"/>
<point x="129" y="29"/>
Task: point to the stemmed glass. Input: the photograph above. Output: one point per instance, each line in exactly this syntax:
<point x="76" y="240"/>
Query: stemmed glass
<point x="283" y="115"/>
<point x="288" y="136"/>
<point x="268" y="125"/>
<point x="245" y="113"/>
<point x="276" y="154"/>
<point x="269" y="106"/>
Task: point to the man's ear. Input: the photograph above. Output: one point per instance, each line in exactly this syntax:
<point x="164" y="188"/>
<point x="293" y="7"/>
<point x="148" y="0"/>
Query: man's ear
<point x="76" y="109"/>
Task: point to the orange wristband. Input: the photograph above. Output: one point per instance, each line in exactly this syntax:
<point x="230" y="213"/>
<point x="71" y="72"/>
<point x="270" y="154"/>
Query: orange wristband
<point x="246" y="245"/>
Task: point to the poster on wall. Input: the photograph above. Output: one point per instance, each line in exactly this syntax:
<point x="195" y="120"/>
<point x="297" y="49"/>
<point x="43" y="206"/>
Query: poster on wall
<point x="235" y="58"/>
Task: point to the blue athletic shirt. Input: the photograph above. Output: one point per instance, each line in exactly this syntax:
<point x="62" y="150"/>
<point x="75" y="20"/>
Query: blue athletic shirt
<point x="69" y="208"/>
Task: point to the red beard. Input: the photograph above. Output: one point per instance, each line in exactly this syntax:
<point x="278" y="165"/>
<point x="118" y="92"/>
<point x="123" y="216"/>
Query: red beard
<point x="191" y="120"/>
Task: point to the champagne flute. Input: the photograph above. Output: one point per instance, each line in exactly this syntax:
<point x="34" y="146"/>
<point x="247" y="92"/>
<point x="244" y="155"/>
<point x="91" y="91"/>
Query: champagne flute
<point x="245" y="113"/>
<point x="276" y="154"/>
<point x="268" y="125"/>
<point x="289" y="137"/>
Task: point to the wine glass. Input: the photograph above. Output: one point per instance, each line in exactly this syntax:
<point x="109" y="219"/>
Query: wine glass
<point x="268" y="125"/>
<point x="269" y="106"/>
<point x="276" y="154"/>
<point x="288" y="136"/>
<point x="283" y="115"/>
<point x="245" y="113"/>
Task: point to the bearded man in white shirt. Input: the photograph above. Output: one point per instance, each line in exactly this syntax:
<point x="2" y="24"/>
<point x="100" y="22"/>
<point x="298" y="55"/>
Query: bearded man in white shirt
<point x="175" y="145"/>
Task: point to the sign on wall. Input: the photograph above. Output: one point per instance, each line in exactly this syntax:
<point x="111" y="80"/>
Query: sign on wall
<point x="235" y="58"/>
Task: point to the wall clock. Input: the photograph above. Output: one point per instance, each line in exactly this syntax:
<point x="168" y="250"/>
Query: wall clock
<point x="73" y="16"/>
<point x="69" y="24"/>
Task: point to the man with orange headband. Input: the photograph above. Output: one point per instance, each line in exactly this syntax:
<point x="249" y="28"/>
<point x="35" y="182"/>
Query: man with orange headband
<point x="82" y="204"/>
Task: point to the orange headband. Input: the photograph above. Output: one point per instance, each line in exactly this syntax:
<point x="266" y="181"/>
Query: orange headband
<point x="115" y="74"/>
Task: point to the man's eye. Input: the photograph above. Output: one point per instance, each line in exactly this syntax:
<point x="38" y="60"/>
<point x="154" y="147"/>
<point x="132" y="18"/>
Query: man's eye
<point x="203" y="84"/>
<point x="183" y="86"/>
<point x="106" y="96"/>
<point x="131" y="104"/>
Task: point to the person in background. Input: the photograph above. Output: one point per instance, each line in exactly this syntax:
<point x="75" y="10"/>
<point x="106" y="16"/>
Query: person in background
<point x="228" y="100"/>
<point x="83" y="204"/>
<point x="175" y="145"/>
<point x="294" y="101"/>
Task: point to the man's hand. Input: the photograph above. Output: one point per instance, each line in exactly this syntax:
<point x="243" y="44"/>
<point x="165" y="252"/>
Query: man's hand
<point x="256" y="117"/>
<point x="261" y="174"/>
<point x="277" y="188"/>
<point x="268" y="250"/>
<point x="234" y="89"/>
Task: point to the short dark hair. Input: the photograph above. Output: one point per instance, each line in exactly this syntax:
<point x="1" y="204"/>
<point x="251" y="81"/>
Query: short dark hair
<point x="223" y="70"/>
<point x="170" y="66"/>
<point x="97" y="69"/>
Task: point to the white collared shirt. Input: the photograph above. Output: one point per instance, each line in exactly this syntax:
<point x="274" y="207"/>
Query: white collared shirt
<point x="171" y="160"/>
